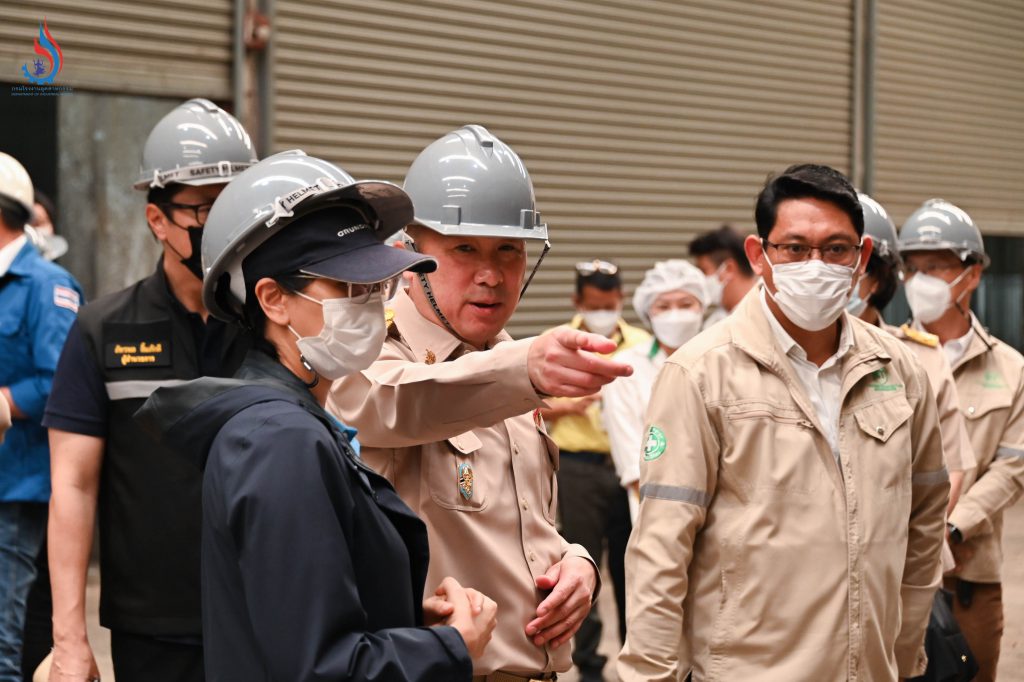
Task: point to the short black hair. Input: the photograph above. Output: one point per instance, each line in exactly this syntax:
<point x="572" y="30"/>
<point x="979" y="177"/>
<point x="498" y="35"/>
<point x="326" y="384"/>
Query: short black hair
<point x="46" y="202"/>
<point x="163" y="195"/>
<point x="721" y="244"/>
<point x="13" y="214"/>
<point x="886" y="273"/>
<point x="807" y="181"/>
<point x="598" y="279"/>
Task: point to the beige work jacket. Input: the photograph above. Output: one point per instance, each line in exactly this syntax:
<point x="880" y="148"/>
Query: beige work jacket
<point x="990" y="381"/>
<point x="457" y="433"/>
<point x="956" y="443"/>
<point x="756" y="557"/>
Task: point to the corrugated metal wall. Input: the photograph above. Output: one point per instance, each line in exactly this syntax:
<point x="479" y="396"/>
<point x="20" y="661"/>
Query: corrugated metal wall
<point x="158" y="47"/>
<point x="641" y="123"/>
<point x="950" y="109"/>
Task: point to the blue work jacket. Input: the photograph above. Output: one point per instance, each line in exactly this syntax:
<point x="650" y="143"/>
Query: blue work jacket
<point x="38" y="304"/>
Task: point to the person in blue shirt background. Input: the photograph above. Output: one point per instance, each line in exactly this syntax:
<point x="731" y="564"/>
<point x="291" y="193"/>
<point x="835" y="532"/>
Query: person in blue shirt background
<point x="38" y="304"/>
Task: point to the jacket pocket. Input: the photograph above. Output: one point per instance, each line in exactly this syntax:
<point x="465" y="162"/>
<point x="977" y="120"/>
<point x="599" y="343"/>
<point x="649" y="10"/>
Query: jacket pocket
<point x="884" y="446"/>
<point x="771" y="447"/>
<point x="454" y="474"/>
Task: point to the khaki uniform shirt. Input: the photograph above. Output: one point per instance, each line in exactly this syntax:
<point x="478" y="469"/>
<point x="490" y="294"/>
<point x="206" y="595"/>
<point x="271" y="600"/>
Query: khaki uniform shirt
<point x="457" y="433"/>
<point x="990" y="383"/>
<point x="956" y="443"/>
<point x="754" y="557"/>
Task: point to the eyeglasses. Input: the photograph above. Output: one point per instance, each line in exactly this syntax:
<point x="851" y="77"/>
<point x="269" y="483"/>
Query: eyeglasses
<point x="840" y="253"/>
<point x="909" y="270"/>
<point x="361" y="293"/>
<point x="587" y="268"/>
<point x="199" y="211"/>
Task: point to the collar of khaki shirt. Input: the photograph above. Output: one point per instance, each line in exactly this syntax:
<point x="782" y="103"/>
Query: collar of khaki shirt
<point x="975" y="342"/>
<point x="752" y="333"/>
<point x="792" y="348"/>
<point x="429" y="341"/>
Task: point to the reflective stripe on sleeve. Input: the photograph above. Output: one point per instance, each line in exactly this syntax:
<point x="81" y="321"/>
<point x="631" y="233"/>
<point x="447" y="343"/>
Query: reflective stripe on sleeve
<point x="675" y="493"/>
<point x="1004" y="452"/>
<point x="126" y="390"/>
<point x="930" y="477"/>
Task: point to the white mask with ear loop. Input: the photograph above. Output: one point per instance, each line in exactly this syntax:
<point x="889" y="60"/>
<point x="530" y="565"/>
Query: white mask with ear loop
<point x="603" y="322"/>
<point x="930" y="296"/>
<point x="351" y="338"/>
<point x="714" y="286"/>
<point x="811" y="293"/>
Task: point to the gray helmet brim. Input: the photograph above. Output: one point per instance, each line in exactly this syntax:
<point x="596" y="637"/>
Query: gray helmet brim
<point x="962" y="251"/>
<point x="391" y="206"/>
<point x="539" y="232"/>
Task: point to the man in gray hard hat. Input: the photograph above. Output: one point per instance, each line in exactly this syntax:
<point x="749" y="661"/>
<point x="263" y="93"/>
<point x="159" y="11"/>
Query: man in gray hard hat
<point x="449" y="411"/>
<point x="122" y="348"/>
<point x="944" y="256"/>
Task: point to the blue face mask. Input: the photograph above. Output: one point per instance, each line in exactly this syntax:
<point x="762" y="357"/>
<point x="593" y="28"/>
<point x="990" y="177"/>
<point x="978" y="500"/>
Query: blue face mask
<point x="856" y="305"/>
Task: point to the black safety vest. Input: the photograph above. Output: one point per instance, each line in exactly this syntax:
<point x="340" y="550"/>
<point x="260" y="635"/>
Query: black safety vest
<point x="150" y="498"/>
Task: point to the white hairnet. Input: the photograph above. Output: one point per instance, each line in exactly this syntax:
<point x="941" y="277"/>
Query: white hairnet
<point x="668" y="275"/>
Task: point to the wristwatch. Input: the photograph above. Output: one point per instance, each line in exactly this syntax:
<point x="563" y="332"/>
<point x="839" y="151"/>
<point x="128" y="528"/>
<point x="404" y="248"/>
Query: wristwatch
<point x="954" y="534"/>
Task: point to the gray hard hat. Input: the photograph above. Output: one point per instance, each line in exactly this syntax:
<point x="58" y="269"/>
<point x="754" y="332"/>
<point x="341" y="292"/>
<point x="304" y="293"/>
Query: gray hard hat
<point x="471" y="183"/>
<point x="879" y="226"/>
<point x="197" y="143"/>
<point x="270" y="195"/>
<point x="939" y="225"/>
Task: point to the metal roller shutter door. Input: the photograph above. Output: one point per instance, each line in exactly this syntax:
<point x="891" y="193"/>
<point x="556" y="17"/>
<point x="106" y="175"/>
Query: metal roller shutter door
<point x="172" y="48"/>
<point x="950" y="109"/>
<point x="641" y="123"/>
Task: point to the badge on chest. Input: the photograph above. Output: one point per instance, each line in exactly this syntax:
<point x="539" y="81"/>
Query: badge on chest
<point x="465" y="479"/>
<point x="127" y="345"/>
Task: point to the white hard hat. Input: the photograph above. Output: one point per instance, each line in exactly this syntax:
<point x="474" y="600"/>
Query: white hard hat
<point x="668" y="275"/>
<point x="15" y="184"/>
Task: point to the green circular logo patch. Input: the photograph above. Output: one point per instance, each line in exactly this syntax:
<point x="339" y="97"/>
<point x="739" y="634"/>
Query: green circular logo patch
<point x="655" y="443"/>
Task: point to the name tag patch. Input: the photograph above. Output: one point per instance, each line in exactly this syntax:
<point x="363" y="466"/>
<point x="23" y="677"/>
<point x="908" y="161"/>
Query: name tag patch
<point x="137" y="345"/>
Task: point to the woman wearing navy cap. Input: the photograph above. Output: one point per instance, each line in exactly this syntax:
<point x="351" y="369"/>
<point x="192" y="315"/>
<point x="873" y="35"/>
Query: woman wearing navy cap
<point x="312" y="567"/>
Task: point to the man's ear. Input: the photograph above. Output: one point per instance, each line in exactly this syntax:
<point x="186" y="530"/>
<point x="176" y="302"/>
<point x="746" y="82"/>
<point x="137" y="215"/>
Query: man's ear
<point x="157" y="222"/>
<point x="755" y="254"/>
<point x="974" y="277"/>
<point x="273" y="301"/>
<point x="867" y="247"/>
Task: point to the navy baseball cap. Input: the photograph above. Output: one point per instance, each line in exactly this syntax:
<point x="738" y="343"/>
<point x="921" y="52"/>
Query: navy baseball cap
<point x="337" y="243"/>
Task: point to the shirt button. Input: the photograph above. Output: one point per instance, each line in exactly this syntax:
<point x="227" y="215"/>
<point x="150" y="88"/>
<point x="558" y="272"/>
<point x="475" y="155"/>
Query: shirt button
<point x="533" y="557"/>
<point x="970" y="410"/>
<point x="525" y="506"/>
<point x="880" y="431"/>
<point x="515" y="448"/>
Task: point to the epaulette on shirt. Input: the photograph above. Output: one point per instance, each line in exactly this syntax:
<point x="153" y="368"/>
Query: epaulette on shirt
<point x="389" y="320"/>
<point x="921" y="337"/>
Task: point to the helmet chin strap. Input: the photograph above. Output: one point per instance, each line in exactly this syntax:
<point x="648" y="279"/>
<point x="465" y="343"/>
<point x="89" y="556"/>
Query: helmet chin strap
<point x="547" y="247"/>
<point x="428" y="291"/>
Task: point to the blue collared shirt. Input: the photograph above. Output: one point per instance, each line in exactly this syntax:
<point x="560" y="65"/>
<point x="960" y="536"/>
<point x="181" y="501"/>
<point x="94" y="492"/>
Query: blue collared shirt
<point x="38" y="304"/>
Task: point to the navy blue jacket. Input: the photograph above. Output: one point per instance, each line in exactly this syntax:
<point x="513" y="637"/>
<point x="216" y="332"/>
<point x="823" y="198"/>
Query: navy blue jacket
<point x="38" y="303"/>
<point x="312" y="567"/>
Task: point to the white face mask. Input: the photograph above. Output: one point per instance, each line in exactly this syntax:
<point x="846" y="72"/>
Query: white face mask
<point x="812" y="294"/>
<point x="713" y="285"/>
<point x="857" y="305"/>
<point x="602" y="322"/>
<point x="673" y="328"/>
<point x="930" y="296"/>
<point x="351" y="338"/>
